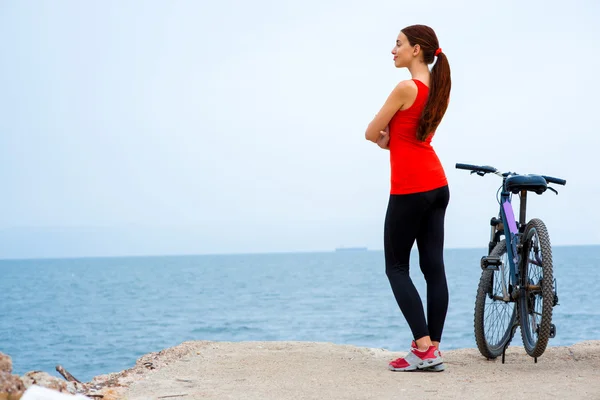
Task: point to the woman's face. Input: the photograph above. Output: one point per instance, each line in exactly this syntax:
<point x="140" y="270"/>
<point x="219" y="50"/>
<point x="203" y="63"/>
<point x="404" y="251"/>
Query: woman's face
<point x="403" y="52"/>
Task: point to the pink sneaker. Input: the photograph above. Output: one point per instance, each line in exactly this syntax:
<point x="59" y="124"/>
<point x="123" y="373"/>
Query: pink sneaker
<point x="417" y="359"/>
<point x="436" y="368"/>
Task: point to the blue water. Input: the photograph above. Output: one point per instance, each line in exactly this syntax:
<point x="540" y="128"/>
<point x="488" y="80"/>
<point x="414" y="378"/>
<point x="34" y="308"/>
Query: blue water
<point x="96" y="316"/>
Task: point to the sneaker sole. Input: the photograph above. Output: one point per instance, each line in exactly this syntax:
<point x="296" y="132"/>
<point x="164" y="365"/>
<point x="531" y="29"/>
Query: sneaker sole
<point x="437" y="368"/>
<point x="424" y="366"/>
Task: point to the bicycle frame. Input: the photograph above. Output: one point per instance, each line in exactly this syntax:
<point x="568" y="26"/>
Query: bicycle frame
<point x="512" y="234"/>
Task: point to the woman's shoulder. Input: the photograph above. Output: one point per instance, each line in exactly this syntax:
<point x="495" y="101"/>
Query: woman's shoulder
<point x="405" y="90"/>
<point x="407" y="86"/>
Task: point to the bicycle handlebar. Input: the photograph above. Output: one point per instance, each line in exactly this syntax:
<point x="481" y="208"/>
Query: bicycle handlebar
<point x="558" y="181"/>
<point x="491" y="170"/>
<point x="482" y="168"/>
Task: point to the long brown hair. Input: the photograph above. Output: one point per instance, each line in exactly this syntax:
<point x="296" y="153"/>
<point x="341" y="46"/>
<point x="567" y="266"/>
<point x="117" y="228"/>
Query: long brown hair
<point x="439" y="87"/>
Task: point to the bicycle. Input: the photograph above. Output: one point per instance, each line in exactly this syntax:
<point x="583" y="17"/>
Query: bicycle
<point x="516" y="288"/>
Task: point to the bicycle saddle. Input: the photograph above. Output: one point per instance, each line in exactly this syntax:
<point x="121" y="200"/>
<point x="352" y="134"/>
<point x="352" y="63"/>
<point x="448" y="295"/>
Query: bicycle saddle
<point x="531" y="183"/>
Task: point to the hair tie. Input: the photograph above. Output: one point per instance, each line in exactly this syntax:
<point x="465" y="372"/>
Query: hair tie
<point x="438" y="51"/>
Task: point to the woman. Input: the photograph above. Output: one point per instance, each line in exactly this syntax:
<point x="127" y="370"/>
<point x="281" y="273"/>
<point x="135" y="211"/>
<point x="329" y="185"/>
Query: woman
<point x="419" y="191"/>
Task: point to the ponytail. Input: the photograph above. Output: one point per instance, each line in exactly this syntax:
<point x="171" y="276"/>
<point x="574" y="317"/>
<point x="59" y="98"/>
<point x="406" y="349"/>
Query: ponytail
<point x="437" y="101"/>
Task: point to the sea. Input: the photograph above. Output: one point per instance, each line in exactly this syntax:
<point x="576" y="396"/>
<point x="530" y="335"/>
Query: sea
<point x="95" y="316"/>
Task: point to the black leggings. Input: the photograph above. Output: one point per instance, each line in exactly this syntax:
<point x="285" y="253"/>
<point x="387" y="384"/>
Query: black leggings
<point x="420" y="217"/>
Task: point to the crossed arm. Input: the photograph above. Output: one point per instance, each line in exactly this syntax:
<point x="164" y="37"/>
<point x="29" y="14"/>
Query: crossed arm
<point x="378" y="130"/>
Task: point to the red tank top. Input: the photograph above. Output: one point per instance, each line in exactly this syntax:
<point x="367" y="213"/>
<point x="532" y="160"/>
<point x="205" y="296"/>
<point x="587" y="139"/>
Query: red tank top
<point x="415" y="167"/>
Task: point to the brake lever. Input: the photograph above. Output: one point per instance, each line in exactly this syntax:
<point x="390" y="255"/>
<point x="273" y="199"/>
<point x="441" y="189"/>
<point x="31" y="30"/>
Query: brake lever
<point x="554" y="190"/>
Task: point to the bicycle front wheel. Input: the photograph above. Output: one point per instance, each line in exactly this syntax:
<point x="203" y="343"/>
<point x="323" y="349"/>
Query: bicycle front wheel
<point x="494" y="315"/>
<point x="537" y="292"/>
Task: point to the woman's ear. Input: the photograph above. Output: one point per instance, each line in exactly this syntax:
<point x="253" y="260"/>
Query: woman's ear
<point x="416" y="50"/>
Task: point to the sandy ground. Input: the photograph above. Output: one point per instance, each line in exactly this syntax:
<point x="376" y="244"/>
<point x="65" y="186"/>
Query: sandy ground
<point x="306" y="370"/>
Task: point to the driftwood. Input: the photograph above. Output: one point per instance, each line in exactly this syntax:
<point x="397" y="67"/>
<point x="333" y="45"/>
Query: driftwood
<point x="66" y="374"/>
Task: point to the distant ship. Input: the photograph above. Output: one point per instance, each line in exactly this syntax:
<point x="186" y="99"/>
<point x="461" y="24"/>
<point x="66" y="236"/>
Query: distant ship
<point x="351" y="249"/>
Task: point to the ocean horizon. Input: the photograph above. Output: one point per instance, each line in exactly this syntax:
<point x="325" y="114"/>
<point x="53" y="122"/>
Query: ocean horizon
<point x="260" y="252"/>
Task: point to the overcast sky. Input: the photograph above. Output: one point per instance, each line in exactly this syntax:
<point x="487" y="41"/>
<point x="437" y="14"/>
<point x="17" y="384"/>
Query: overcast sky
<point x="191" y="127"/>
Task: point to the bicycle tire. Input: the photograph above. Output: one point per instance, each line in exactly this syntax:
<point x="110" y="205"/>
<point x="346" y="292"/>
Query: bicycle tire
<point x="535" y="346"/>
<point x="490" y="344"/>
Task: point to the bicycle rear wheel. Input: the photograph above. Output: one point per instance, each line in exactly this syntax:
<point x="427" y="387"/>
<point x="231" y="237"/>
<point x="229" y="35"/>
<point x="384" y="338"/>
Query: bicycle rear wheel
<point x="494" y="317"/>
<point x="537" y="292"/>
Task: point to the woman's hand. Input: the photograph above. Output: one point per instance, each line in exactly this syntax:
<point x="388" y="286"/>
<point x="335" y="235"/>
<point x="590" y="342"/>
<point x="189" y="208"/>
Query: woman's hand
<point x="384" y="138"/>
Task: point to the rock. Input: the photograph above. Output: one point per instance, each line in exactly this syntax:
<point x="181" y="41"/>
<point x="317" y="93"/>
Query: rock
<point x="48" y="381"/>
<point x="76" y="388"/>
<point x="5" y="363"/>
<point x="11" y="386"/>
<point x="44" y="379"/>
<point x="11" y="396"/>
